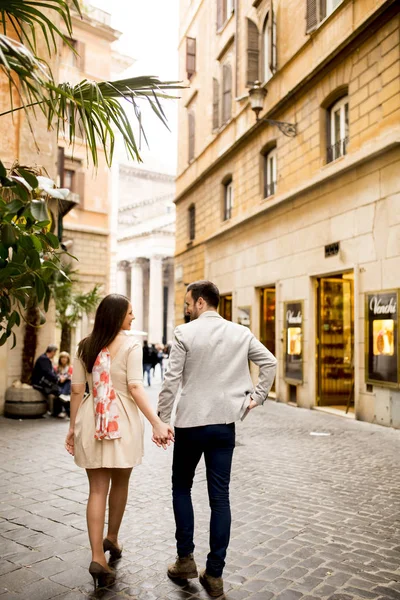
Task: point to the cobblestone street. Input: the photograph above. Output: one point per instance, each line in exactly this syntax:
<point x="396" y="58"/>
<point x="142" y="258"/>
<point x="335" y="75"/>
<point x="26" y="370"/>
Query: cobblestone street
<point x="314" y="516"/>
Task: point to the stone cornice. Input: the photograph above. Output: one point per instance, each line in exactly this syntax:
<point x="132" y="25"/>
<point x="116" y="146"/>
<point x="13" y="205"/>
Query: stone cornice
<point x="145" y="202"/>
<point x="143" y="174"/>
<point x="332" y="170"/>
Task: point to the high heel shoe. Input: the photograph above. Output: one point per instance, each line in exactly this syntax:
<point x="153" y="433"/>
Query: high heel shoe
<point x="102" y="577"/>
<point x="115" y="552"/>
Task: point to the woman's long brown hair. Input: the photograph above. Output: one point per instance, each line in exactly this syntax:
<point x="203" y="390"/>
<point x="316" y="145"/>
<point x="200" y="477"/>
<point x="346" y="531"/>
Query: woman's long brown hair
<point x="110" y="315"/>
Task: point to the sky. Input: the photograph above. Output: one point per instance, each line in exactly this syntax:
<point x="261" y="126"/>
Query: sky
<point x="150" y="36"/>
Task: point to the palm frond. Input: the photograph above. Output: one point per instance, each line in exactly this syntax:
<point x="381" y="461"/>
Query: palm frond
<point x="96" y="110"/>
<point x="89" y="109"/>
<point x="24" y="16"/>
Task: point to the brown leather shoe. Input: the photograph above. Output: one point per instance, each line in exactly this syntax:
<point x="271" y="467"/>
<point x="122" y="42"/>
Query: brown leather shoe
<point x="213" y="585"/>
<point x="183" y="568"/>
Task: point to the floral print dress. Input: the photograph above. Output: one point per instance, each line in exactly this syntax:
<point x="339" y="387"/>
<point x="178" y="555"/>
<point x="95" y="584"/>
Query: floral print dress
<point x="125" y="451"/>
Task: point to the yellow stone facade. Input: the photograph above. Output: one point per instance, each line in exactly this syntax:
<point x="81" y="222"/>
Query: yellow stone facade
<point x="279" y="241"/>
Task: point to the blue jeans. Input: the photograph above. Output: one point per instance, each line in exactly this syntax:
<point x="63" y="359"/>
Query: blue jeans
<point x="217" y="442"/>
<point x="147" y="371"/>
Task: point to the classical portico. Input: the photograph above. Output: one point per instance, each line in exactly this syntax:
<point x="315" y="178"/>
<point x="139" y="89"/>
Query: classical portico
<point x="146" y="245"/>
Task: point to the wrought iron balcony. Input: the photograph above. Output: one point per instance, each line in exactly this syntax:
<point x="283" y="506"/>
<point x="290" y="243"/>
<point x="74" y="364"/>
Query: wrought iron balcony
<point x="338" y="149"/>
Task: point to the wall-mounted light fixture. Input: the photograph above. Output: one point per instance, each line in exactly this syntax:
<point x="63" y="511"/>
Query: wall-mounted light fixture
<point x="257" y="95"/>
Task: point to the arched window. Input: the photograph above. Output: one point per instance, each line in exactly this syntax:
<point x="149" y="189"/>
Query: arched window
<point x="226" y="93"/>
<point x="270" y="172"/>
<point x="269" y="46"/>
<point x="338" y="129"/>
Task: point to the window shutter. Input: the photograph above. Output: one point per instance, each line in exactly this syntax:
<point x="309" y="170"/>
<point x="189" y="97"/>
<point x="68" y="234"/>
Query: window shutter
<point x="272" y="40"/>
<point x="215" y="103"/>
<point x="192" y="222"/>
<point x="311" y="15"/>
<point x="81" y="58"/>
<point x="253" y="53"/>
<point x="191" y="127"/>
<point x="227" y="93"/>
<point x="80" y="187"/>
<point x="322" y="9"/>
<point x="190" y="56"/>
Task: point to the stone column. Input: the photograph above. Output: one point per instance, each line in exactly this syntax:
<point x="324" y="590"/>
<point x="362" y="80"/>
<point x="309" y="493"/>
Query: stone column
<point x="156" y="300"/>
<point x="137" y="292"/>
<point x="121" y="280"/>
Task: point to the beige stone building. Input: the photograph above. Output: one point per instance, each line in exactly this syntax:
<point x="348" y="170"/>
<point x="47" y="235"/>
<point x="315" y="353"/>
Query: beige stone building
<point x="296" y="215"/>
<point x="88" y="227"/>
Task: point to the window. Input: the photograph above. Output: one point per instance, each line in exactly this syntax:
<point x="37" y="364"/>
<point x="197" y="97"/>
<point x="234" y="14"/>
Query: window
<point x="253" y="53"/>
<point x="192" y="222"/>
<point x="226" y="93"/>
<point x="190" y="57"/>
<point x="269" y="46"/>
<point x="191" y="131"/>
<point x="71" y="176"/>
<point x="215" y="103"/>
<point x="75" y="57"/>
<point x="318" y="10"/>
<point x="224" y="10"/>
<point x="69" y="179"/>
<point x="270" y="173"/>
<point x="228" y="199"/>
<point x="338" y="129"/>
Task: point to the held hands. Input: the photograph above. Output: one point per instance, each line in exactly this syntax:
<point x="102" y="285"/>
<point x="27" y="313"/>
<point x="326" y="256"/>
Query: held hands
<point x="69" y="442"/>
<point x="163" y="434"/>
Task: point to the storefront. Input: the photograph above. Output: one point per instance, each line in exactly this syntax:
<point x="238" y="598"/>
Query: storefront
<point x="267" y="298"/>
<point x="335" y="341"/>
<point x="225" y="307"/>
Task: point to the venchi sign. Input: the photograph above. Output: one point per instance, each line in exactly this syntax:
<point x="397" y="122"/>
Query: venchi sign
<point x="381" y="338"/>
<point x="294" y="342"/>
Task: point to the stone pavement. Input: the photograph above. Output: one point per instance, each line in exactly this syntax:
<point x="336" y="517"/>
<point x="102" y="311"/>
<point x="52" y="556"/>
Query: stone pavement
<point x="314" y="517"/>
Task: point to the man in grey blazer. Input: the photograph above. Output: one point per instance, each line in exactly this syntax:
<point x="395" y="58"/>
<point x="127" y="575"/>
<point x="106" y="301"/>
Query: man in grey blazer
<point x="209" y="360"/>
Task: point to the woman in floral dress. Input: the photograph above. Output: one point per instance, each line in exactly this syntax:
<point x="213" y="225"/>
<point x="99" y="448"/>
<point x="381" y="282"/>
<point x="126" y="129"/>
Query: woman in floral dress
<point x="106" y="427"/>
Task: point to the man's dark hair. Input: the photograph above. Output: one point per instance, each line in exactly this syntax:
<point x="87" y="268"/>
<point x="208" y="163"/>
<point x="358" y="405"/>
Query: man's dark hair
<point x="51" y="348"/>
<point x="206" y="290"/>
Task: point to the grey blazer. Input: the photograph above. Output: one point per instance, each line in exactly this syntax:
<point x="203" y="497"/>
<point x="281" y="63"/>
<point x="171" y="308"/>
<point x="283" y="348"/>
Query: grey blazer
<point x="209" y="358"/>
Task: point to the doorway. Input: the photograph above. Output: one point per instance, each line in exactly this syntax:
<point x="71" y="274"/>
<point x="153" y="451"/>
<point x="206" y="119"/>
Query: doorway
<point x="267" y="320"/>
<point x="335" y="341"/>
<point x="225" y="307"/>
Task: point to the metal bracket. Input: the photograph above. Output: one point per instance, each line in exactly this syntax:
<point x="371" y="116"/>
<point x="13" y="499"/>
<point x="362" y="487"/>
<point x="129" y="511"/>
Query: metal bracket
<point x="288" y="129"/>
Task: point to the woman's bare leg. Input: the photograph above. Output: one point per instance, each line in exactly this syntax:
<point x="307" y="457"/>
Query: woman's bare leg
<point x="117" y="501"/>
<point x="99" y="483"/>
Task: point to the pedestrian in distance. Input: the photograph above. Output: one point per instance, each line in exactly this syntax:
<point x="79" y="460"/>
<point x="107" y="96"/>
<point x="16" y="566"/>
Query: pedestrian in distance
<point x="64" y="372"/>
<point x="210" y="360"/>
<point x="147" y="361"/>
<point x="106" y="429"/>
<point x="46" y="380"/>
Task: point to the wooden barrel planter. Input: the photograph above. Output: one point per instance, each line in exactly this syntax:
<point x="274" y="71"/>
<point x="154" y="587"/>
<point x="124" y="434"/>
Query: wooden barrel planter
<point x="24" y="403"/>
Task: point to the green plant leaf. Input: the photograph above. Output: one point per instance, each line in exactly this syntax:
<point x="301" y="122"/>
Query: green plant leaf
<point x="29" y="176"/>
<point x="52" y="240"/>
<point x="39" y="210"/>
<point x="8" y="237"/>
<point x="40" y="289"/>
<point x="37" y="243"/>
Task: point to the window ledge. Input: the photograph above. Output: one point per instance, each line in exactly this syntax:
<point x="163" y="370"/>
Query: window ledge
<point x="224" y="25"/>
